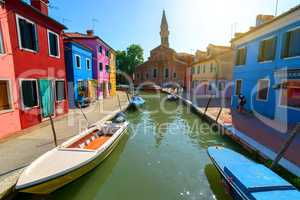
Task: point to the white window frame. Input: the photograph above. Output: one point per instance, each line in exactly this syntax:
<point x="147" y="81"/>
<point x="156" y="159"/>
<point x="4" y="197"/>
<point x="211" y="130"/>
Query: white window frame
<point x="3" y="46"/>
<point x="90" y="64"/>
<point x="241" y="47"/>
<point x="268" y="38"/>
<point x="280" y="97"/>
<point x="37" y="94"/>
<point x="282" y="46"/>
<point x="10" y="94"/>
<point x="257" y="90"/>
<point x="19" y="33"/>
<point x="236" y="85"/>
<point x="64" y="89"/>
<point x="58" y="47"/>
<point x="76" y="55"/>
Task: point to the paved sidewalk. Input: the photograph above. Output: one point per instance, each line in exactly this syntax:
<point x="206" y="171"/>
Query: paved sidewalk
<point x="21" y="149"/>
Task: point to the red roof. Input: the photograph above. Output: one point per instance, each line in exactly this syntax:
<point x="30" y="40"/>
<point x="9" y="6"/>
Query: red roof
<point x="76" y="35"/>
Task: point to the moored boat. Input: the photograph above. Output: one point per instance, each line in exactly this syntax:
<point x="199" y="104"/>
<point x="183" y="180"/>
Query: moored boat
<point x="172" y="97"/>
<point x="71" y="160"/>
<point x="246" y="180"/>
<point x="137" y="101"/>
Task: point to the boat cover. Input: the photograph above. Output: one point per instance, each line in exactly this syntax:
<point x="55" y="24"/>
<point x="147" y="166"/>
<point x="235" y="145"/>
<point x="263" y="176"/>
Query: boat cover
<point x="256" y="181"/>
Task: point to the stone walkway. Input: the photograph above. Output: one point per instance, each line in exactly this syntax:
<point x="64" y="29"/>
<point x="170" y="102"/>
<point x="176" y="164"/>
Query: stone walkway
<point x="25" y="146"/>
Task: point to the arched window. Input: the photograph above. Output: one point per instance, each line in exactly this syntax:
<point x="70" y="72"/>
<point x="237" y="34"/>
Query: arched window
<point x="166" y="73"/>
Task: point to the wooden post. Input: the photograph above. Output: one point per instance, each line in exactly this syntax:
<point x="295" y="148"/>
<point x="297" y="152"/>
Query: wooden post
<point x="79" y="106"/>
<point x="209" y="100"/>
<point x="286" y="145"/>
<point x="127" y="96"/>
<point x="219" y="114"/>
<point x="53" y="130"/>
<point x="119" y="102"/>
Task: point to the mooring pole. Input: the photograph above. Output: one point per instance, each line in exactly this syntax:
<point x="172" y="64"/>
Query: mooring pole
<point x="219" y="114"/>
<point x="86" y="119"/>
<point x="53" y="130"/>
<point x="286" y="145"/>
<point x="119" y="102"/>
<point x="209" y="100"/>
<point x="127" y="96"/>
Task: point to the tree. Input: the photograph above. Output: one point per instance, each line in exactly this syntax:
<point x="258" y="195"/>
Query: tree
<point x="128" y="60"/>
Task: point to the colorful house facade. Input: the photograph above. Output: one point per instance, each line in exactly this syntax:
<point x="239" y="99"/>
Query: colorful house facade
<point x="33" y="83"/>
<point x="267" y="68"/>
<point x="212" y="72"/>
<point x="78" y="60"/>
<point x="101" y="59"/>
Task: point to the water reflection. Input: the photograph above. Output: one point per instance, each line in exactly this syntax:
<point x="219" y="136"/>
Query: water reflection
<point x="163" y="157"/>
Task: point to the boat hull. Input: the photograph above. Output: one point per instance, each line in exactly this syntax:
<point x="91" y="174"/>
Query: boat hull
<point x="50" y="186"/>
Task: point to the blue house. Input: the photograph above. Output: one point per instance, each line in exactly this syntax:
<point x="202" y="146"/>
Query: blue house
<point x="267" y="67"/>
<point x="78" y="60"/>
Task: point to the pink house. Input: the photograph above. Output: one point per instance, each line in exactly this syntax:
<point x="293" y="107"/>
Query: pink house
<point x="101" y="59"/>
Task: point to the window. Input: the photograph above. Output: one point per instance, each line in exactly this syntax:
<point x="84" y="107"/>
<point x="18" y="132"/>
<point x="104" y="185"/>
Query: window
<point x="138" y="76"/>
<point x="267" y="49"/>
<point x="88" y="64"/>
<point x="107" y="68"/>
<point x="78" y="61"/>
<point x="29" y="93"/>
<point x="291" y="41"/>
<point x="166" y="73"/>
<point x="100" y="49"/>
<point x="203" y="69"/>
<point x="193" y="70"/>
<point x="221" y="85"/>
<point x="82" y="88"/>
<point x="5" y="95"/>
<point x="27" y="34"/>
<point x="238" y="87"/>
<point x="60" y="90"/>
<point x="211" y="67"/>
<point x="174" y="75"/>
<point x="1" y="43"/>
<point x="154" y="73"/>
<point x="198" y="69"/>
<point x="100" y="67"/>
<point x="53" y="44"/>
<point x="241" y="56"/>
<point x="107" y="53"/>
<point x="263" y="90"/>
<point x="290" y="94"/>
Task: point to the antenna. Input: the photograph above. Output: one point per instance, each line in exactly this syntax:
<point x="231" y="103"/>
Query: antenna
<point x="94" y="21"/>
<point x="276" y="8"/>
<point x="64" y="20"/>
<point x="53" y="7"/>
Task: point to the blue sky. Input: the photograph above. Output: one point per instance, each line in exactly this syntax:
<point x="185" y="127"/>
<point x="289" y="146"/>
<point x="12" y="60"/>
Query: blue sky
<point x="193" y="24"/>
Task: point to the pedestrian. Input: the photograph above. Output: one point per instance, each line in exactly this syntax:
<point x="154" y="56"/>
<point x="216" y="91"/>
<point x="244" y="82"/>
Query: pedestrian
<point x="242" y="102"/>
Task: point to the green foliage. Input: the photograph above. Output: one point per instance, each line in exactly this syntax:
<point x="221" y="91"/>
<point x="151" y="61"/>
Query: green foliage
<point x="128" y="60"/>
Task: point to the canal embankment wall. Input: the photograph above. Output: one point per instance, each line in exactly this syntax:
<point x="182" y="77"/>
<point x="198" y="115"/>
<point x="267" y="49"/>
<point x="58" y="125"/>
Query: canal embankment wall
<point x="248" y="143"/>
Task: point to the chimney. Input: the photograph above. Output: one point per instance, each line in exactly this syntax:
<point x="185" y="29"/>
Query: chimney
<point x="261" y="19"/>
<point x="41" y="5"/>
<point x="90" y="32"/>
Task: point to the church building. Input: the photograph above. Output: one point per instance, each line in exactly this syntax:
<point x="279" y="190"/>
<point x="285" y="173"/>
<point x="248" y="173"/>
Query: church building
<point x="164" y="66"/>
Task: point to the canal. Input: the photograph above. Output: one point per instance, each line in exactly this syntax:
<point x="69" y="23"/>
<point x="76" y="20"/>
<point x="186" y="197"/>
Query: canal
<point x="162" y="157"/>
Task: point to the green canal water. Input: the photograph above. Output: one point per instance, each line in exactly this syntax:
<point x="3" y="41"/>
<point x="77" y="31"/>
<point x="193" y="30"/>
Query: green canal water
<point x="162" y="157"/>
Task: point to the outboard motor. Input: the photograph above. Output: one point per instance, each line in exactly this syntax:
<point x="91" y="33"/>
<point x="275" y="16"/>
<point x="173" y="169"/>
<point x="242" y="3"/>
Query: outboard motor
<point x="119" y="118"/>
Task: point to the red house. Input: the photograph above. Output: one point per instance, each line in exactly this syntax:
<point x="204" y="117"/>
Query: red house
<point x="32" y="72"/>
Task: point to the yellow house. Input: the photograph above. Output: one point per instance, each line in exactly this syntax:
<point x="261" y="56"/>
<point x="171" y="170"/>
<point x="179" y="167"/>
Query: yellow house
<point x="112" y="74"/>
